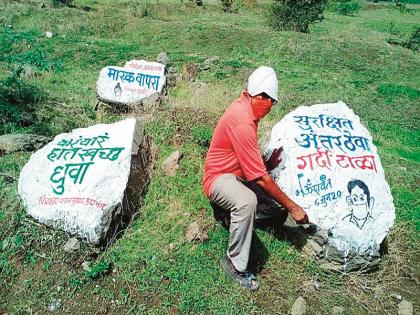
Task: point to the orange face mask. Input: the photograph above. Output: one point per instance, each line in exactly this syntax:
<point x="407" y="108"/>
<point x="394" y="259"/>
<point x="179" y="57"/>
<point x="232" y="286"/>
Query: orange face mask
<point x="261" y="106"/>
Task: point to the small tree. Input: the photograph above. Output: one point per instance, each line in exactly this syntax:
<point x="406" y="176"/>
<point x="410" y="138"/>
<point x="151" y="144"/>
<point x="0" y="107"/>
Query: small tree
<point x="296" y="15"/>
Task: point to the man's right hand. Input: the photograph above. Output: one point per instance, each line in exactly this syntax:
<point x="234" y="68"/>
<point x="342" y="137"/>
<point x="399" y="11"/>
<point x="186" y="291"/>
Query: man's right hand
<point x="299" y="215"/>
<point x="272" y="190"/>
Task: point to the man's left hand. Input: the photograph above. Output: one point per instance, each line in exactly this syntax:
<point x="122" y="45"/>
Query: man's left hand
<point x="274" y="160"/>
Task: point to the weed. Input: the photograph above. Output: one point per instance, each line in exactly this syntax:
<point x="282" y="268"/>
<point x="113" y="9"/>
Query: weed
<point x="98" y="269"/>
<point x="202" y="135"/>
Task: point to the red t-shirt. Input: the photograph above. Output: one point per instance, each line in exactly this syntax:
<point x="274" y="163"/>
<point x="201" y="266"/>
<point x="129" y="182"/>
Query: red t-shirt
<point x="234" y="147"/>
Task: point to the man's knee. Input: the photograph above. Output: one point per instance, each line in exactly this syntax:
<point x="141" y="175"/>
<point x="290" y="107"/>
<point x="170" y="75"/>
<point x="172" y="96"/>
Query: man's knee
<point x="247" y="205"/>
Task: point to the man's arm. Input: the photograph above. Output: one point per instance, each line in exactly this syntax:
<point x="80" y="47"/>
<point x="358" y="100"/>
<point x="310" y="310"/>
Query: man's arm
<point x="271" y="189"/>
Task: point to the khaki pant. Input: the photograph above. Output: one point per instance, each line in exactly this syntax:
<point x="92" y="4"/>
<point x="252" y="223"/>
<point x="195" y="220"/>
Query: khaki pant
<point x="246" y="202"/>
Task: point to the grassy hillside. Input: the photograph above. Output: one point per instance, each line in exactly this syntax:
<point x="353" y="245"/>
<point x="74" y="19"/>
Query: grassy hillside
<point x="151" y="268"/>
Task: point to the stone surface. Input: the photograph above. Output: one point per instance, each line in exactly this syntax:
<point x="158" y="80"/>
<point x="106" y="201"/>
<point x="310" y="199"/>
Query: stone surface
<point x="21" y="142"/>
<point x="331" y="168"/>
<point x="195" y="233"/>
<point x="299" y="307"/>
<point x="170" y="165"/>
<point x="405" y="308"/>
<point x="88" y="182"/>
<point x="163" y="58"/>
<point x="72" y="245"/>
<point x="189" y="72"/>
<point x="336" y="310"/>
<point x="172" y="77"/>
<point x="208" y="63"/>
<point x="86" y="265"/>
<point x="130" y="84"/>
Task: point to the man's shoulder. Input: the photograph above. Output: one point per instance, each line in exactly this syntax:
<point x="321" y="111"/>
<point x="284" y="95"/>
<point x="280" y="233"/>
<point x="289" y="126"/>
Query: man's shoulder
<point x="236" y="114"/>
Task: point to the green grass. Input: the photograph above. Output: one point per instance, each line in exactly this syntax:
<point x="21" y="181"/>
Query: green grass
<point x="342" y="58"/>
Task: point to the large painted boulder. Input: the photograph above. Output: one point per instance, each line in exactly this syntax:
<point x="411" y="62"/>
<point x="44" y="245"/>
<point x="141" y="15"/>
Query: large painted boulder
<point x="88" y="182"/>
<point x="331" y="168"/>
<point x="128" y="85"/>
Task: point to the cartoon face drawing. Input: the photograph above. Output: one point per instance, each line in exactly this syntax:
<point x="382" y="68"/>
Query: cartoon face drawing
<point x="360" y="203"/>
<point x="117" y="90"/>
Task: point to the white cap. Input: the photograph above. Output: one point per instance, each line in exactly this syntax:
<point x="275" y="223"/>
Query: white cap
<point x="264" y="80"/>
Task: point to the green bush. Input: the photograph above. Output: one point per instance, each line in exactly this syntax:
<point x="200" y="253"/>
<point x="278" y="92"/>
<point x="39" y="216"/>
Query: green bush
<point x="296" y="15"/>
<point x="344" y="7"/>
<point x="62" y="2"/>
<point x="15" y="90"/>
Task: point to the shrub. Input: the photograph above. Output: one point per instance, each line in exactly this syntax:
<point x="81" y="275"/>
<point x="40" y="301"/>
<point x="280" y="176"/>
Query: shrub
<point x="344" y="7"/>
<point x="231" y="5"/>
<point x="296" y="15"/>
<point x="411" y="41"/>
<point x="62" y="2"/>
<point x="14" y="90"/>
<point x="17" y="97"/>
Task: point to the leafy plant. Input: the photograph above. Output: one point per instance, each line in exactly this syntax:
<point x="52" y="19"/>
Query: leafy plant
<point x="344" y="7"/>
<point x="202" y="135"/>
<point x="296" y="15"/>
<point x="97" y="270"/>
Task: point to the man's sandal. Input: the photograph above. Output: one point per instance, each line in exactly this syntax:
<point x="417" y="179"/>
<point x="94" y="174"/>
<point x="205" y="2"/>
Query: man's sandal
<point x="245" y="279"/>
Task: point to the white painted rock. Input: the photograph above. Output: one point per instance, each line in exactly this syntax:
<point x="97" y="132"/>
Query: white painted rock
<point x="130" y="84"/>
<point x="331" y="168"/>
<point x="79" y="181"/>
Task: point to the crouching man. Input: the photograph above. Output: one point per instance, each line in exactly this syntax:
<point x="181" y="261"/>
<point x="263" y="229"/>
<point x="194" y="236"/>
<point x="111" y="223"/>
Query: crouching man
<point x="236" y="178"/>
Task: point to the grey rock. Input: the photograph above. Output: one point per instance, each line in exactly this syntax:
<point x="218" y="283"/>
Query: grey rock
<point x="72" y="245"/>
<point x="163" y="58"/>
<point x="86" y="265"/>
<point x="153" y="101"/>
<point x="26" y="119"/>
<point x="5" y="244"/>
<point x="28" y="71"/>
<point x="299" y="307"/>
<point x="321" y="237"/>
<point x="397" y="297"/>
<point x="336" y="310"/>
<point x="170" y="165"/>
<point x="195" y="233"/>
<point x="55" y="305"/>
<point x="208" y="63"/>
<point x="312" y="248"/>
<point x="317" y="286"/>
<point x="171" y="246"/>
<point x="405" y="308"/>
<point x="172" y="77"/>
<point x="21" y="142"/>
<point x="189" y="72"/>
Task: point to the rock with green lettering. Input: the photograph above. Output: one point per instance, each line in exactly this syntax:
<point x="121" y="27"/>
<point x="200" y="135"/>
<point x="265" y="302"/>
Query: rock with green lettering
<point x="88" y="182"/>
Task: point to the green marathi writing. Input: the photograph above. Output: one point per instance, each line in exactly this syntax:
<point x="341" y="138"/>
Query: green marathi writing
<point x="75" y="171"/>
<point x="84" y="153"/>
<point x="84" y="141"/>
